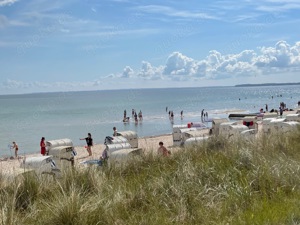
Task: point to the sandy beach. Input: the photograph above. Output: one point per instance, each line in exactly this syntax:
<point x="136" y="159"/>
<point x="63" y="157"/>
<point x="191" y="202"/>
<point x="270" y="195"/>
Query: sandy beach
<point x="148" y="144"/>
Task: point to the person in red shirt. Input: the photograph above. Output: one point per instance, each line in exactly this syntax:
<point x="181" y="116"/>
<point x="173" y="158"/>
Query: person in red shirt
<point x="43" y="146"/>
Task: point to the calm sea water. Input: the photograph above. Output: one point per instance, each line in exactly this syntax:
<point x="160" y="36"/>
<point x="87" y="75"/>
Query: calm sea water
<point x="26" y="118"/>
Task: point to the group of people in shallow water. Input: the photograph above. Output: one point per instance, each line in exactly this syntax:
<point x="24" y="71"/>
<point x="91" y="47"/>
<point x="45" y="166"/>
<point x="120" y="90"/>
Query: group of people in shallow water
<point x="137" y="117"/>
<point x="171" y="114"/>
<point x="204" y="114"/>
<point x="281" y="109"/>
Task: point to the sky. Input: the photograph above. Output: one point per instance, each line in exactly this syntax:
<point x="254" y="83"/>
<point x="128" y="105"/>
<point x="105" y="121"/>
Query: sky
<point x="72" y="45"/>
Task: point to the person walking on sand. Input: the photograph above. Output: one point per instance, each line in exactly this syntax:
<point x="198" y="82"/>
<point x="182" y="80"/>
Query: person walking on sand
<point x="16" y="147"/>
<point x="43" y="146"/>
<point x="162" y="150"/>
<point x="281" y="110"/>
<point x="89" y="143"/>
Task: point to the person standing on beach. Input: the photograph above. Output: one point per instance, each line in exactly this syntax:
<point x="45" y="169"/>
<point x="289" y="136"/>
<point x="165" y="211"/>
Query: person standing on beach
<point x="162" y="150"/>
<point x="281" y="110"/>
<point x="89" y="142"/>
<point x="16" y="147"/>
<point x="43" y="146"/>
<point x="115" y="131"/>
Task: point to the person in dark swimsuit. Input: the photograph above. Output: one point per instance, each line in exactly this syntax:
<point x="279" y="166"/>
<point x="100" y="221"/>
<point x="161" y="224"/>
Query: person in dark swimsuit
<point x="89" y="143"/>
<point x="16" y="147"/>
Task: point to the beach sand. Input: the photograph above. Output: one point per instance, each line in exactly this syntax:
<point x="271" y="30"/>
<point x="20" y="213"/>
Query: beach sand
<point x="148" y="144"/>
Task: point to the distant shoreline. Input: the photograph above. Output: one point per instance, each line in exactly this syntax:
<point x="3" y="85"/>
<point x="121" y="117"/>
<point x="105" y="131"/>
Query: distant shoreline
<point x="266" y="84"/>
<point x="63" y="93"/>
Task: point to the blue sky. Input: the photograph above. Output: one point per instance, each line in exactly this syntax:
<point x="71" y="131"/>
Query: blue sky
<point x="114" y="44"/>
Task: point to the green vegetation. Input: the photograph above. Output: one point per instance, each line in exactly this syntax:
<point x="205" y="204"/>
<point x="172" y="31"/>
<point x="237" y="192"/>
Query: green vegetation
<point x="266" y="84"/>
<point x="218" y="182"/>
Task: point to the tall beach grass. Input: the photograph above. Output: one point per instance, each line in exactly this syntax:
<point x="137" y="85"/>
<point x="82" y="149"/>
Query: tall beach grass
<point x="217" y="182"/>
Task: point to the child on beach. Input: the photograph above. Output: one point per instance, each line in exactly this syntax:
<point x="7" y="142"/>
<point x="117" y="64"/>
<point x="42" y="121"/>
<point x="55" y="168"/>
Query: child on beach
<point x="162" y="150"/>
<point x="89" y="143"/>
<point x="115" y="131"/>
<point x="103" y="158"/>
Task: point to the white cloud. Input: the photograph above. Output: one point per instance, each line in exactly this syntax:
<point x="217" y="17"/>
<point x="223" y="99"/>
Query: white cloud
<point x="12" y="84"/>
<point x="179" y="67"/>
<point x="127" y="72"/>
<point x="279" y="6"/>
<point x="150" y="72"/>
<point x="17" y="86"/>
<point x="179" y="64"/>
<point x="215" y="66"/>
<point x="7" y="2"/>
<point x="110" y="76"/>
<point x="3" y="21"/>
<point x="282" y="58"/>
<point x="169" y="11"/>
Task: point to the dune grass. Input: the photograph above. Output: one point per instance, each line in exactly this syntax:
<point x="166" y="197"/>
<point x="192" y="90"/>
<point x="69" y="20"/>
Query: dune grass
<point x="218" y="182"/>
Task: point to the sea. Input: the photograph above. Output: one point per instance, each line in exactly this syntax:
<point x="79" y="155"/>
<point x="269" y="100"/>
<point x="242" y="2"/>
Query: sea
<point x="25" y="118"/>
